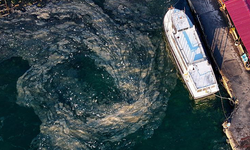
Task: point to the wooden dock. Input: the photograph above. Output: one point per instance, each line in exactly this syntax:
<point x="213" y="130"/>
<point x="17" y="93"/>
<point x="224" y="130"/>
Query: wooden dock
<point x="220" y="39"/>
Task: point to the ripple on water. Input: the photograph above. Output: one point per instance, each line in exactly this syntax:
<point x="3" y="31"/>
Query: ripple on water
<point x="96" y="77"/>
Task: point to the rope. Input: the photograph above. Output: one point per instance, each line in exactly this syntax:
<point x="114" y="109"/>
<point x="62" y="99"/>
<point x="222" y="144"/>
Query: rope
<point x="230" y="99"/>
<point x="222" y="105"/>
<point x="222" y="97"/>
<point x="234" y="110"/>
<point x="176" y="3"/>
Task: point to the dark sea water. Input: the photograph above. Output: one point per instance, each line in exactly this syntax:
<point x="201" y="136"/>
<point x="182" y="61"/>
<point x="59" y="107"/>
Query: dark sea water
<point x="97" y="75"/>
<point x="18" y="125"/>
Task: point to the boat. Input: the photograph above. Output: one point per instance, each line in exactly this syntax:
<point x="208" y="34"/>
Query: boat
<point x="189" y="54"/>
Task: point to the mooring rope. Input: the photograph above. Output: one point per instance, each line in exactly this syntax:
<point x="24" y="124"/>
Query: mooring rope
<point x="222" y="105"/>
<point x="176" y="3"/>
<point x="230" y="99"/>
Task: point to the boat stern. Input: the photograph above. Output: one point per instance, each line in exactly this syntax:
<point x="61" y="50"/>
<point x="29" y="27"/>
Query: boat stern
<point x="204" y="92"/>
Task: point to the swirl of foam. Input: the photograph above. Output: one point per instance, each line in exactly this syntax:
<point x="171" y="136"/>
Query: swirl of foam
<point x="60" y="42"/>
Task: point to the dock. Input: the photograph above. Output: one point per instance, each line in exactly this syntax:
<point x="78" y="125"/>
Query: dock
<point x="226" y="54"/>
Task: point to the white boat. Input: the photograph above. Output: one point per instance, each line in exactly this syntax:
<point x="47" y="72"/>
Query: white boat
<point x="189" y="54"/>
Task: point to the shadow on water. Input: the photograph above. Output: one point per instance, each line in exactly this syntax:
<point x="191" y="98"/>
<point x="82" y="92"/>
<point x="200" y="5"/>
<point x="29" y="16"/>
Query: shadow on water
<point x="18" y="125"/>
<point x="216" y="33"/>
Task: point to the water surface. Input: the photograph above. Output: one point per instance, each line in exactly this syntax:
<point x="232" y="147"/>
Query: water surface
<point x="98" y="76"/>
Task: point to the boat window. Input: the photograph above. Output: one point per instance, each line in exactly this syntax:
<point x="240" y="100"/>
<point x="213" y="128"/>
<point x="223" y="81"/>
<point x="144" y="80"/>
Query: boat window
<point x="199" y="90"/>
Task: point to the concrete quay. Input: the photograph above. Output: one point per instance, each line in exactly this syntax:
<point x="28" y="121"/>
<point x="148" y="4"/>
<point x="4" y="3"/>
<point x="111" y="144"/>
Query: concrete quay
<point x="234" y="75"/>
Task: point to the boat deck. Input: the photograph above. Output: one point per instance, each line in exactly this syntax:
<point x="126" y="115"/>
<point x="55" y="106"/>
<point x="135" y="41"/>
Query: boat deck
<point x="189" y="54"/>
<point x="199" y="69"/>
<point x="202" y="75"/>
<point x="190" y="45"/>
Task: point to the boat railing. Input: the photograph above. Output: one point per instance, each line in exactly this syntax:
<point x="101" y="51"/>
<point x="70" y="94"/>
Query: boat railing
<point x="184" y="62"/>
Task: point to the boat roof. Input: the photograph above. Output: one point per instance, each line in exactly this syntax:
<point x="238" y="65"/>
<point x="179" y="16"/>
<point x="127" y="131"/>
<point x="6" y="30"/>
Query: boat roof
<point x="191" y="48"/>
<point x="180" y="20"/>
<point x="190" y="45"/>
<point x="187" y="38"/>
<point x="202" y="75"/>
<point x="239" y="11"/>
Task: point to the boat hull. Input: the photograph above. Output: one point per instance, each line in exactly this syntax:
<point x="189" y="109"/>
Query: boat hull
<point x="183" y="67"/>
